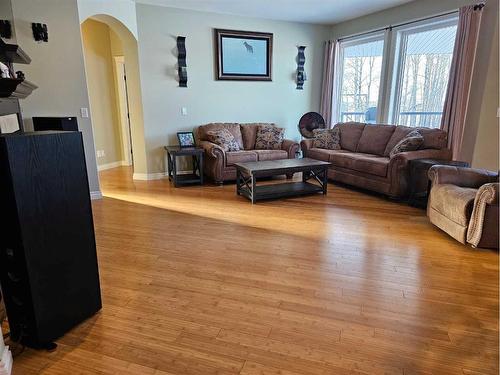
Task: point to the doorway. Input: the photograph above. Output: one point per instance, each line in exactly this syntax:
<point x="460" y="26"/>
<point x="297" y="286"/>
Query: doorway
<point x="123" y="109"/>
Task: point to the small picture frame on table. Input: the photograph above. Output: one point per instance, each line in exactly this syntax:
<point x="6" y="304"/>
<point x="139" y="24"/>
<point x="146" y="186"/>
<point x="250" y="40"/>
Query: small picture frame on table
<point x="186" y="139"/>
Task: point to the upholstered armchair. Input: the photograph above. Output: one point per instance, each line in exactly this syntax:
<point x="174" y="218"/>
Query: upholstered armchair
<point x="463" y="202"/>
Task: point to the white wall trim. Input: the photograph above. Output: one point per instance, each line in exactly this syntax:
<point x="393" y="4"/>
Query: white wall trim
<point x="114" y="164"/>
<point x="149" y="176"/>
<point x="95" y="195"/>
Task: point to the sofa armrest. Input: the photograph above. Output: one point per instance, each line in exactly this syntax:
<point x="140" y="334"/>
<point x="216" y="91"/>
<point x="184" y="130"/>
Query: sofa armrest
<point x="461" y="176"/>
<point x="486" y="195"/>
<point x="305" y="145"/>
<point x="212" y="149"/>
<point x="291" y="147"/>
<point x="398" y="171"/>
<point x="405" y="157"/>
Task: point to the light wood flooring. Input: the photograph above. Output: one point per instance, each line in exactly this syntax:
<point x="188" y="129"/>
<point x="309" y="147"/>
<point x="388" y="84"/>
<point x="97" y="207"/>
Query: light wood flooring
<point x="198" y="281"/>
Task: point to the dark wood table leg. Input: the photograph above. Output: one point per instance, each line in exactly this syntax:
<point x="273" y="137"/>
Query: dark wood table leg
<point x="325" y="181"/>
<point x="174" y="170"/>
<point x="252" y="184"/>
<point x="200" y="167"/>
<point x="238" y="181"/>
<point x="169" y="161"/>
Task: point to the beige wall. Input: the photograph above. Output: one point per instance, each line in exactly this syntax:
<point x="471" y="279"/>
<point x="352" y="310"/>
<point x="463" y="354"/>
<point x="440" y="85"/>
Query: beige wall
<point x="57" y="67"/>
<point x="207" y="99"/>
<point x="101" y="86"/>
<point x="481" y="129"/>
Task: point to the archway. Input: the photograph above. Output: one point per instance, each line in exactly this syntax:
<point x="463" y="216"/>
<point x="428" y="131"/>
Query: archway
<point x="112" y="71"/>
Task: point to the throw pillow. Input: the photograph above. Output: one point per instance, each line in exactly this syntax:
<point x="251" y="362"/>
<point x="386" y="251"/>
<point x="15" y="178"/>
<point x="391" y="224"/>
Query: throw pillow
<point x="269" y="138"/>
<point x="411" y="142"/>
<point x="224" y="139"/>
<point x="327" y="138"/>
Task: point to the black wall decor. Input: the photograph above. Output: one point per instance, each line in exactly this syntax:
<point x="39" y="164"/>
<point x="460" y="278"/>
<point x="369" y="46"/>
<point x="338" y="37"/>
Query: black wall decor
<point x="181" y="61"/>
<point x="5" y="29"/>
<point x="301" y="74"/>
<point x="40" y="32"/>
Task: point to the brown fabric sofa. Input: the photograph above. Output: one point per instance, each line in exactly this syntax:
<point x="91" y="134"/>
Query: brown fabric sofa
<point x="219" y="165"/>
<point x="464" y="203"/>
<point x="364" y="161"/>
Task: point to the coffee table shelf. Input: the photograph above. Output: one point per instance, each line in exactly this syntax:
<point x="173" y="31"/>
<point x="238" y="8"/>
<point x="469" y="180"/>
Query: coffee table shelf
<point x="314" y="170"/>
<point x="285" y="190"/>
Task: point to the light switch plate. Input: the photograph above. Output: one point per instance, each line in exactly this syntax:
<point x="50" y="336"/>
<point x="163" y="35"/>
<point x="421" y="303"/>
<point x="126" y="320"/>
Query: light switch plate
<point x="84" y="112"/>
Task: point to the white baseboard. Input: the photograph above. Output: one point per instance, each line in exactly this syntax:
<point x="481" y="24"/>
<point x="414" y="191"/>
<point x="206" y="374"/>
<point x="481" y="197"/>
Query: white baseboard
<point x="114" y="164"/>
<point x="149" y="176"/>
<point x="95" y="195"/>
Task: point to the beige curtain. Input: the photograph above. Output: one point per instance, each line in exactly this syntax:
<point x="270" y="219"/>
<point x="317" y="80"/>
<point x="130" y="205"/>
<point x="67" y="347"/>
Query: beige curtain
<point x="325" y="107"/>
<point x="462" y="65"/>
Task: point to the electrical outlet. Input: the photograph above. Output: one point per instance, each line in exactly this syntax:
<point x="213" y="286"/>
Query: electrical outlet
<point x="84" y="112"/>
<point x="100" y="153"/>
<point x="184" y="111"/>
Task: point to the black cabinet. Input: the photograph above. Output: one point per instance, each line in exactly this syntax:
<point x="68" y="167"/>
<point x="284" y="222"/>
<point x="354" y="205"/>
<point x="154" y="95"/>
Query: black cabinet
<point x="48" y="263"/>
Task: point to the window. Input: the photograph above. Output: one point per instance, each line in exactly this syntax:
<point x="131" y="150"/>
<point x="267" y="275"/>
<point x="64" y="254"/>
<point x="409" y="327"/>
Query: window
<point x="415" y="58"/>
<point x="424" y="62"/>
<point x="360" y="63"/>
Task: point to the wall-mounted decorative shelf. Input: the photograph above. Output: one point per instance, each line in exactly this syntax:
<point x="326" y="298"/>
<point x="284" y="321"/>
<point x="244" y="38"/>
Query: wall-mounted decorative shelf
<point x="301" y="74"/>
<point x="181" y="61"/>
<point x="12" y="53"/>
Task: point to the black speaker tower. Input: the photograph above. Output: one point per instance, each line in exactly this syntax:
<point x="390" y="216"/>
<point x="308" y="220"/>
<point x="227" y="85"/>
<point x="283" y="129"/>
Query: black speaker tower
<point x="48" y="264"/>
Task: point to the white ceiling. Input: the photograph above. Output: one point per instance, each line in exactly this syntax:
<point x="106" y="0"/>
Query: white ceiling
<point x="310" y="11"/>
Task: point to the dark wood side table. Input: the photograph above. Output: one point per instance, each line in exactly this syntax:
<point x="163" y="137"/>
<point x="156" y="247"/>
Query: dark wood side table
<point x="419" y="181"/>
<point x="185" y="179"/>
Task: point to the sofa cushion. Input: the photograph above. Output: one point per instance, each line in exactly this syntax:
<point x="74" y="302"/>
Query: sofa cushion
<point x="374" y="139"/>
<point x="234" y="157"/>
<point x="224" y="138"/>
<point x="350" y="133"/>
<point x="271" y="154"/>
<point x="327" y="138"/>
<point x="323" y="154"/>
<point x="453" y="201"/>
<point x="232" y="127"/>
<point x="412" y="142"/>
<point x="269" y="138"/>
<point x="433" y="138"/>
<point x="249" y="133"/>
<point x="367" y="163"/>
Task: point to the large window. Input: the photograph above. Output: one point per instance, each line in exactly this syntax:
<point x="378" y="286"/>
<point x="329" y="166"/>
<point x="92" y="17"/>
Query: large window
<point x="415" y="59"/>
<point x="424" y="62"/>
<point x="361" y="65"/>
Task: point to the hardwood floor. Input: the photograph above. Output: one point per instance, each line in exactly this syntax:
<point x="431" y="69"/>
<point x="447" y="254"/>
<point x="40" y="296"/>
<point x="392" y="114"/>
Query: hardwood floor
<point x="198" y="281"/>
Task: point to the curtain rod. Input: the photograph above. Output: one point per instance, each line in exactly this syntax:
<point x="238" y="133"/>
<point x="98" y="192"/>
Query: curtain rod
<point x="479" y="6"/>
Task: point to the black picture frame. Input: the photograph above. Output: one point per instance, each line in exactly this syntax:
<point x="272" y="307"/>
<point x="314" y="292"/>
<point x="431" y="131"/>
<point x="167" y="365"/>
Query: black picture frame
<point x="186" y="139"/>
<point x="244" y="36"/>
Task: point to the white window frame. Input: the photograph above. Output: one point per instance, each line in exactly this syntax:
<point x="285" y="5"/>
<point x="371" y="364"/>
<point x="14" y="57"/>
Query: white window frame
<point x="400" y="37"/>
<point x="339" y="64"/>
<point x="392" y="67"/>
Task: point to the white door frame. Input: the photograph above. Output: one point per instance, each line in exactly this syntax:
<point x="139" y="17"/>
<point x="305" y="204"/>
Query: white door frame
<point x="123" y="109"/>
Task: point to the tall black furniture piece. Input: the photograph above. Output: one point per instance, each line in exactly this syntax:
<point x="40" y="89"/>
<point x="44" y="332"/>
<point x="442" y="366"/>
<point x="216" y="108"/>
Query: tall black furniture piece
<point x="48" y="263"/>
<point x="185" y="179"/>
<point x="55" y="123"/>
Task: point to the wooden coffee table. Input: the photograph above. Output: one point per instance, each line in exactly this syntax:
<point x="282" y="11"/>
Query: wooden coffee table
<point x="247" y="173"/>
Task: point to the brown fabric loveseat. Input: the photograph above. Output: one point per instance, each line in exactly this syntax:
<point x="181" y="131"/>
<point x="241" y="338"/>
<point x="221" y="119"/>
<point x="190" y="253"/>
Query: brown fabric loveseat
<point x="219" y="165"/>
<point x="364" y="161"/>
<point x="464" y="203"/>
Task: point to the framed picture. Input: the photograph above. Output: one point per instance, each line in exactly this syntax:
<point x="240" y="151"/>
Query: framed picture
<point x="186" y="139"/>
<point x="243" y="55"/>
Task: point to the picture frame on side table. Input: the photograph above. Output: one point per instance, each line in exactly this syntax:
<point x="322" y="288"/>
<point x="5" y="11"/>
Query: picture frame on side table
<point x="186" y="139"/>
